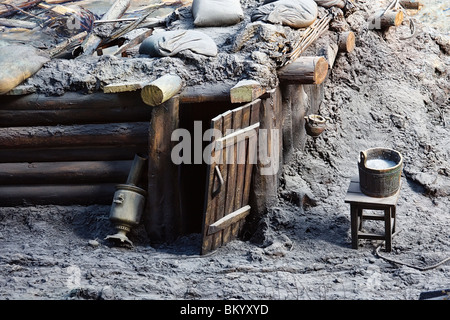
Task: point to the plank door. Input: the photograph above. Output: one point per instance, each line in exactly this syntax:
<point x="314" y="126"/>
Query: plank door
<point x="229" y="175"/>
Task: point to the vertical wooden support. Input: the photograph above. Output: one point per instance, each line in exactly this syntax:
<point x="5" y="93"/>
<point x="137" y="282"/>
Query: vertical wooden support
<point x="266" y="173"/>
<point x="162" y="218"/>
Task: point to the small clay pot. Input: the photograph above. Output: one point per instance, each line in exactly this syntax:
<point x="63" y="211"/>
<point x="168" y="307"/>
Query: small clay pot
<point x="314" y="124"/>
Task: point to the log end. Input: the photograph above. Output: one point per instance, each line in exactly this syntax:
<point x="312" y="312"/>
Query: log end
<point x="347" y="41"/>
<point x="321" y="70"/>
<point x="152" y="95"/>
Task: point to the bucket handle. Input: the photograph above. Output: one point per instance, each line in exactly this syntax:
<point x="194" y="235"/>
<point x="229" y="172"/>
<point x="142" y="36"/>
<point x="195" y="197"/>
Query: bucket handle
<point x="363" y="158"/>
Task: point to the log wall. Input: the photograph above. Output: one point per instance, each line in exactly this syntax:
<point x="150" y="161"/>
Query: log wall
<point x="71" y="149"/>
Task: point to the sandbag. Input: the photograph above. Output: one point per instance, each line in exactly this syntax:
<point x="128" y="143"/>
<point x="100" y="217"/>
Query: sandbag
<point x="170" y="43"/>
<point x="18" y="63"/>
<point x="292" y="13"/>
<point x="216" y="13"/>
<point x="331" y="3"/>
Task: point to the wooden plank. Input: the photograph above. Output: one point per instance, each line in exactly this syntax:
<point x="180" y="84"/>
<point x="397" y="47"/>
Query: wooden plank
<point x="232" y="173"/>
<point x="236" y="137"/>
<point x="354" y="194"/>
<point x="242" y="149"/>
<point x="246" y="91"/>
<point x="229" y="220"/>
<point x="162" y="218"/>
<point x="221" y="200"/>
<point x="211" y="199"/>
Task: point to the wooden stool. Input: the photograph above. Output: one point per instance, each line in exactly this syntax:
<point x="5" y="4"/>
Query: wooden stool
<point x="358" y="202"/>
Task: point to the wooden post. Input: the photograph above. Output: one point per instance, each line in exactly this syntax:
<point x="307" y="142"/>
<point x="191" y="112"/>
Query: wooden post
<point x="246" y="91"/>
<point x="305" y="70"/>
<point x="161" y="90"/>
<point x="346" y="41"/>
<point x="162" y="217"/>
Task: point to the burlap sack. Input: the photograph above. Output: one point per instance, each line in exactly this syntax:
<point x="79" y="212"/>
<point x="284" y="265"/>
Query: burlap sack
<point x="18" y="63"/>
<point x="216" y="13"/>
<point x="170" y="43"/>
<point x="292" y="13"/>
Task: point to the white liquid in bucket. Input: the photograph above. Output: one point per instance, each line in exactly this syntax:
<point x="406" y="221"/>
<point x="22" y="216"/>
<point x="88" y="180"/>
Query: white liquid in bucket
<point x="380" y="164"/>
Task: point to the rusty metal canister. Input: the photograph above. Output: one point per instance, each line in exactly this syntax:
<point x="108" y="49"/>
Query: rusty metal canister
<point x="380" y="172"/>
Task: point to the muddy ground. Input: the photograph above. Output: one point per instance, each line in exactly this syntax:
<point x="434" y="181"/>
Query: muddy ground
<point x="386" y="93"/>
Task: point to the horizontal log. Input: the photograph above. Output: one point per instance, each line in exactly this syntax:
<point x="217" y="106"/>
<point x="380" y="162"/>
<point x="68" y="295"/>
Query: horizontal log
<point x="113" y="134"/>
<point x="25" y="195"/>
<point x="97" y="153"/>
<point x="63" y="172"/>
<point x="305" y="70"/>
<point x="67" y="116"/>
<point x="72" y="101"/>
<point x="161" y="90"/>
<point x="17" y="23"/>
<point x="391" y="18"/>
<point x="206" y="93"/>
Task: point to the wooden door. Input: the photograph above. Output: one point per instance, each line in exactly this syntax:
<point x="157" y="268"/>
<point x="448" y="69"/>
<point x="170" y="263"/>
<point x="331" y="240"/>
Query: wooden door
<point x="229" y="175"/>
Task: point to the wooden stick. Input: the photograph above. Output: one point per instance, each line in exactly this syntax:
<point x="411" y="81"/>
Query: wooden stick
<point x="305" y="70"/>
<point x="116" y="11"/>
<point x="161" y="90"/>
<point x="133" y="42"/>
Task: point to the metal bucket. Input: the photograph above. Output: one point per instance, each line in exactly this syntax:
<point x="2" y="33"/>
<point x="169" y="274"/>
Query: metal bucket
<point x="380" y="172"/>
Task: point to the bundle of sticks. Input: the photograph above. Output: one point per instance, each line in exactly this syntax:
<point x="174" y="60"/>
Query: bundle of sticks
<point x="311" y="34"/>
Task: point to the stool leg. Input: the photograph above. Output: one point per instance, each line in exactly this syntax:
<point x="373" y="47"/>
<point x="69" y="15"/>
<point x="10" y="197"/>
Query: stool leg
<point x="354" y="225"/>
<point x="360" y="217"/>
<point x="394" y="215"/>
<point x="388" y="229"/>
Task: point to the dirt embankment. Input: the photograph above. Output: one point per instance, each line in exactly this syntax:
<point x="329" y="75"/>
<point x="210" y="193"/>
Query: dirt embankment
<point x="387" y="93"/>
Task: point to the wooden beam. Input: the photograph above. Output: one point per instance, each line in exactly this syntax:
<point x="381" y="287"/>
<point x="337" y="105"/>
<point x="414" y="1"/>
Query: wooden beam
<point x="246" y="91"/>
<point x="229" y="219"/>
<point x="161" y="90"/>
<point x="162" y="217"/>
<point x="305" y="70"/>
<point x="123" y="87"/>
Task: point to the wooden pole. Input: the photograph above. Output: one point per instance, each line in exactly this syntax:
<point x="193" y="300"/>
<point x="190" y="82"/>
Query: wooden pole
<point x="329" y="52"/>
<point x="161" y="90"/>
<point x="305" y="70"/>
<point x="162" y="217"/>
